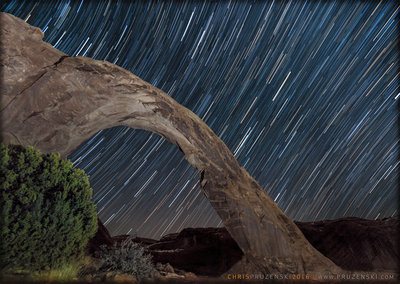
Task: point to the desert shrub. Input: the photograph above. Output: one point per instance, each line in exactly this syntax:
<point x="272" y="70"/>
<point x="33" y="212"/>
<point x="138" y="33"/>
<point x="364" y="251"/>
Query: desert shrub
<point x="47" y="215"/>
<point x="126" y="257"/>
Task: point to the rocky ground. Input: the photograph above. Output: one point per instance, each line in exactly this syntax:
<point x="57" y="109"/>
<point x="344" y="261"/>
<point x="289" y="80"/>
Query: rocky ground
<point x="354" y="244"/>
<point x="364" y="248"/>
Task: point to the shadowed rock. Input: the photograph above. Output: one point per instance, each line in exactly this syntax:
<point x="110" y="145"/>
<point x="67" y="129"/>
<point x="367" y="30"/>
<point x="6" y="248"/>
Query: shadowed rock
<point x="355" y="243"/>
<point x="101" y="238"/>
<point x="352" y="243"/>
<point x="56" y="102"/>
<point x="203" y="251"/>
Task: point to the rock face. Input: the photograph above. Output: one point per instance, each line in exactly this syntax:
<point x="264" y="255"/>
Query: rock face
<point x="56" y="102"/>
<point x="203" y="251"/>
<point x="357" y="244"/>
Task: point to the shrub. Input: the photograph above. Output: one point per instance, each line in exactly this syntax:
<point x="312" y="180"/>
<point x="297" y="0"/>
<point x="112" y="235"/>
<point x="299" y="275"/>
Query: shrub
<point x="126" y="257"/>
<point x="47" y="215"/>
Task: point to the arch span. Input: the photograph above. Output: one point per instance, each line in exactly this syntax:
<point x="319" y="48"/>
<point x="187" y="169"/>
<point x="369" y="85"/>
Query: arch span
<point x="56" y="102"/>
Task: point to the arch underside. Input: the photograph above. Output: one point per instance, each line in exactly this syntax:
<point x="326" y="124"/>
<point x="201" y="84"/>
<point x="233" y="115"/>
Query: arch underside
<point x="56" y="102"/>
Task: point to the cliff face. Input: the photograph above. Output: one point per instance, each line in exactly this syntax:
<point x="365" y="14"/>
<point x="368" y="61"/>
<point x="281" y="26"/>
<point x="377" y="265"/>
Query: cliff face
<point x="56" y="102"/>
<point x="356" y="244"/>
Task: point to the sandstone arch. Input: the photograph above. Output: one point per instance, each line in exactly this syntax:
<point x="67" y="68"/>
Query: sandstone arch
<point x="56" y="102"/>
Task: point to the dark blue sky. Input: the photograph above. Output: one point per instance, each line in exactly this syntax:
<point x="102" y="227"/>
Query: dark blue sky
<point x="304" y="93"/>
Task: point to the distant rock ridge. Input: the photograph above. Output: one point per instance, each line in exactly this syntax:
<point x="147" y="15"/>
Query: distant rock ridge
<point x="357" y="244"/>
<point x="354" y="244"/>
<point x="56" y="102"/>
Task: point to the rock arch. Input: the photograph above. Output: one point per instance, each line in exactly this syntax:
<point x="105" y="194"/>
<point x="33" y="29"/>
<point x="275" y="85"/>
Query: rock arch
<point x="56" y="102"/>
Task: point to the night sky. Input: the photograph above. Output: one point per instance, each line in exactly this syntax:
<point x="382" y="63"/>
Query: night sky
<point x="304" y="93"/>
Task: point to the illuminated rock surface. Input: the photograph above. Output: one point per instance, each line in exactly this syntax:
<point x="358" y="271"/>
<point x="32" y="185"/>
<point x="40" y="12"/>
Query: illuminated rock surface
<point x="56" y="102"/>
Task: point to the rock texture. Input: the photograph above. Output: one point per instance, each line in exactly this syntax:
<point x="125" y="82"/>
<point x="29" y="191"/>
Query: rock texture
<point x="203" y="251"/>
<point x="56" y="102"/>
<point x="357" y="244"/>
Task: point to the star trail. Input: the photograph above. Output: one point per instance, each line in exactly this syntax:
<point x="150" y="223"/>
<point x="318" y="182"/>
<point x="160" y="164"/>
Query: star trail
<point x="304" y="93"/>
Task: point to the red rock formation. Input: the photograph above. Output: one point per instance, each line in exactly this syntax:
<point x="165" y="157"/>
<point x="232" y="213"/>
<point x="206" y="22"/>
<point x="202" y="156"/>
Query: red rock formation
<point x="56" y="102"/>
